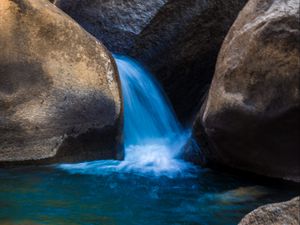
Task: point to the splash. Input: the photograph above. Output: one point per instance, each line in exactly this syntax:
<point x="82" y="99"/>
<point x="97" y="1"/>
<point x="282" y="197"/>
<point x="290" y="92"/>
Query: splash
<point x="153" y="137"/>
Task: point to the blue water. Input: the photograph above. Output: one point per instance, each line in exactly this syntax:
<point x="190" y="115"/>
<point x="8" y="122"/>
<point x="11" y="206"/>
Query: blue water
<point x="153" y="137"/>
<point x="47" y="195"/>
<point x="148" y="116"/>
<point x="152" y="186"/>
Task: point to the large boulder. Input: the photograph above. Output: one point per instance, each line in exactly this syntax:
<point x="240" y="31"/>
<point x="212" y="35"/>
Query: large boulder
<point x="178" y="40"/>
<point x="250" y="119"/>
<point x="275" y="214"/>
<point x="59" y="89"/>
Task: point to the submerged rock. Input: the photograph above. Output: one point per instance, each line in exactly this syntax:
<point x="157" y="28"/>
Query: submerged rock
<point x="178" y="40"/>
<point x="250" y="120"/>
<point x="59" y="90"/>
<point x="241" y="194"/>
<point x="23" y="222"/>
<point x="275" y="214"/>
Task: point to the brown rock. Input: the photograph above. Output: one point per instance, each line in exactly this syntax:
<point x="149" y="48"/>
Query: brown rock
<point x="284" y="213"/>
<point x="178" y="40"/>
<point x="59" y="91"/>
<point x="250" y="120"/>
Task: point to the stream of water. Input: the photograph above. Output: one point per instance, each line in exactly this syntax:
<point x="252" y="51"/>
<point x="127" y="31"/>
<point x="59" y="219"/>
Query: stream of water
<point x="153" y="137"/>
<point x="152" y="186"/>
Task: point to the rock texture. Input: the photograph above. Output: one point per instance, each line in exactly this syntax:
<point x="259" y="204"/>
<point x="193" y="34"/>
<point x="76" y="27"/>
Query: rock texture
<point x="275" y="214"/>
<point x="181" y="44"/>
<point x="116" y="23"/>
<point x="59" y="90"/>
<point x="250" y="119"/>
<point x="178" y="40"/>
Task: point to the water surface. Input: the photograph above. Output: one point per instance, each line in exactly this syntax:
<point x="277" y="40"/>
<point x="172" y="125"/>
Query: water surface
<point x="49" y="195"/>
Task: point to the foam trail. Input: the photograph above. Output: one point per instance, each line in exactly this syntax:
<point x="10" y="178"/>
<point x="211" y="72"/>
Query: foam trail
<point x="153" y="137"/>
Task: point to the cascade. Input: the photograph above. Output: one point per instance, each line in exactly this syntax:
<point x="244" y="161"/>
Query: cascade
<point x="153" y="137"/>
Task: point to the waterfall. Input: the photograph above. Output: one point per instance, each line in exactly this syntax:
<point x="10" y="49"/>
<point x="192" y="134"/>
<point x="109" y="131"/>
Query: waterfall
<point x="153" y="137"/>
<point x="148" y="116"/>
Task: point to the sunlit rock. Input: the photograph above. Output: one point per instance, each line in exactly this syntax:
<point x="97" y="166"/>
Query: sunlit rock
<point x="59" y="93"/>
<point x="250" y="119"/>
<point x="275" y="214"/>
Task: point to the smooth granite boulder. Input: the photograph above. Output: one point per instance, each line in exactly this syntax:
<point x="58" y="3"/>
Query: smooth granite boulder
<point x="59" y="89"/>
<point x="250" y="119"/>
<point x="283" y="213"/>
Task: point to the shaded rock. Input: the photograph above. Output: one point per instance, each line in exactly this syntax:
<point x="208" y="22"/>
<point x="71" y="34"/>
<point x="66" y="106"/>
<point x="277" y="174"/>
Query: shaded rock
<point x="116" y="23"/>
<point x="191" y="152"/>
<point x="250" y="120"/>
<point x="59" y="90"/>
<point x="178" y="40"/>
<point x="181" y="44"/>
<point x="275" y="214"/>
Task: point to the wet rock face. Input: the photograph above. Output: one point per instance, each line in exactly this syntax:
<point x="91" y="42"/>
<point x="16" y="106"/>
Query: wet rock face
<point x="275" y="214"/>
<point x="59" y="90"/>
<point x="250" y="120"/>
<point x="178" y="40"/>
